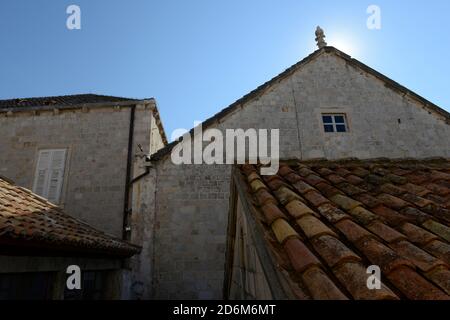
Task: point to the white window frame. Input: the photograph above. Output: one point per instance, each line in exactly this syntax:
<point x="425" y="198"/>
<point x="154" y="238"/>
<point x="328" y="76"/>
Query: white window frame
<point x="49" y="175"/>
<point x="333" y="122"/>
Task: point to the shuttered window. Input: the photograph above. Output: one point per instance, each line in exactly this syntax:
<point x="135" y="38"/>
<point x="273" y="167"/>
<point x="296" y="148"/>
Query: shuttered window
<point x="49" y="175"/>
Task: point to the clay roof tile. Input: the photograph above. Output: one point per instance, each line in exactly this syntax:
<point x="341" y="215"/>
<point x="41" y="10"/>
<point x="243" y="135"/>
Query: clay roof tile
<point x="347" y="215"/>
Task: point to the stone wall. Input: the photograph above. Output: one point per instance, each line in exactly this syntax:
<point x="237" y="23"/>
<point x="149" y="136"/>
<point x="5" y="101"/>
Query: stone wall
<point x="97" y="143"/>
<point x="191" y="202"/>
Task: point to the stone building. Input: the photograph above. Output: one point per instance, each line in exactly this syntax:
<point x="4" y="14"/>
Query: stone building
<point x="188" y="219"/>
<point x="38" y="242"/>
<point x="85" y="153"/>
<point x="80" y="152"/>
<point x="329" y="106"/>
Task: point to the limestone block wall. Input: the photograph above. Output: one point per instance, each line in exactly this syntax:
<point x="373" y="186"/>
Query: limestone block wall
<point x="382" y="121"/>
<point x="191" y="201"/>
<point x="97" y="143"/>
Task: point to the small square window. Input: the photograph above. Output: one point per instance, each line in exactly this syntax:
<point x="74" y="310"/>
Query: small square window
<point x="339" y="119"/>
<point x="327" y="119"/>
<point x="334" y="123"/>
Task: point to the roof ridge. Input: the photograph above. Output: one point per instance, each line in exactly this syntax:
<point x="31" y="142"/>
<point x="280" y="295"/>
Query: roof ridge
<point x="68" y="95"/>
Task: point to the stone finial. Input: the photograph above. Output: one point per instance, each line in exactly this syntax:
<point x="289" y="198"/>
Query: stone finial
<point x="320" y="38"/>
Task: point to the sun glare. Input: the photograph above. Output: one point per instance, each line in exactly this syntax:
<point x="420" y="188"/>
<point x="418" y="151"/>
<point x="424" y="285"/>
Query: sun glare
<point x="345" y="44"/>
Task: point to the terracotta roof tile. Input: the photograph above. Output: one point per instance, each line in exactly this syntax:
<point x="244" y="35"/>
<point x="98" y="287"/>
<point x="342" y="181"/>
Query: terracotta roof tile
<point x="29" y="223"/>
<point x="300" y="256"/>
<point x="333" y="251"/>
<point x="292" y="178"/>
<point x="381" y="255"/>
<point x="345" y="202"/>
<point x="352" y="275"/>
<point x="313" y="180"/>
<point x="264" y="197"/>
<point x="441" y="277"/>
<point x="257" y="184"/>
<point x="360" y="172"/>
<point x="327" y="190"/>
<point x="313" y="227"/>
<point x="283" y="230"/>
<point x="439" y="249"/>
<point x="347" y="215"/>
<point x="414" y="286"/>
<point x="321" y="286"/>
<point x="385" y="232"/>
<point x="418" y="257"/>
<point x="285" y="170"/>
<point x="417" y="234"/>
<point x="286" y="195"/>
<point x="415" y="189"/>
<point x="335" y="179"/>
<point x="305" y="171"/>
<point x="252" y="176"/>
<point x="352" y="231"/>
<point x="316" y="198"/>
<point x="342" y="172"/>
<point x="418" y="201"/>
<point x="415" y="214"/>
<point x="437" y="189"/>
<point x="392" y="202"/>
<point x="392" y="189"/>
<point x="303" y="187"/>
<point x="438" y="228"/>
<point x="272" y="213"/>
<point x="350" y="189"/>
<point x="332" y="213"/>
<point x="368" y="200"/>
<point x="298" y="209"/>
<point x="363" y="215"/>
<point x="275" y="184"/>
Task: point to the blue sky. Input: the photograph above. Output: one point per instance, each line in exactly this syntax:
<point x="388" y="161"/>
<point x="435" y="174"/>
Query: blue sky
<point x="198" y="56"/>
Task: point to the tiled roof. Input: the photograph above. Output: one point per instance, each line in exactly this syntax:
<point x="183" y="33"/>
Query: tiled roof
<point x="327" y="222"/>
<point x="31" y="224"/>
<point x="289" y="71"/>
<point x="68" y="100"/>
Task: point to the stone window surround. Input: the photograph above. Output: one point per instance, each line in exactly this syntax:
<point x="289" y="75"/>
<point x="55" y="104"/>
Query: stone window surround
<point x="334" y="110"/>
<point x="333" y="122"/>
<point x="64" y="188"/>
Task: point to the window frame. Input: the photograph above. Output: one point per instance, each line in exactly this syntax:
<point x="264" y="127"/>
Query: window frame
<point x="63" y="175"/>
<point x="334" y="124"/>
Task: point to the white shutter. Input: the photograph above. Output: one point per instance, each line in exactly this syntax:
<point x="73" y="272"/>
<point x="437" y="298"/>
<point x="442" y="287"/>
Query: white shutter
<point x="56" y="175"/>
<point x="41" y="176"/>
<point x="49" y="175"/>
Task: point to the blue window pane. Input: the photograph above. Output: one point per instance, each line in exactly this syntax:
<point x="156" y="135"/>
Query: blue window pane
<point x="328" y="128"/>
<point x="339" y="119"/>
<point x="340" y="128"/>
<point x="327" y="119"/>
